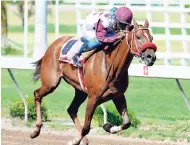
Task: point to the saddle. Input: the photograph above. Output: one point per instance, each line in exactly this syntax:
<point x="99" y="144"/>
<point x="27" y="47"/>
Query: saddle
<point x="71" y="47"/>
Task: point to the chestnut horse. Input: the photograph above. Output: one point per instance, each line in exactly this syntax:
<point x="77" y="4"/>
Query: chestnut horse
<point x="105" y="76"/>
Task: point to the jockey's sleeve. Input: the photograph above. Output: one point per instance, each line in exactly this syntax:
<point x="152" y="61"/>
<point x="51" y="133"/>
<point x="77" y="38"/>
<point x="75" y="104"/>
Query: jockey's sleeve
<point x="101" y="32"/>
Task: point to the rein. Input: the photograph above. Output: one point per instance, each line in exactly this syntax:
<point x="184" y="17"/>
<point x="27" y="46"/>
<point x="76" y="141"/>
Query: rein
<point x="138" y="47"/>
<point x="133" y="33"/>
<point x="119" y="47"/>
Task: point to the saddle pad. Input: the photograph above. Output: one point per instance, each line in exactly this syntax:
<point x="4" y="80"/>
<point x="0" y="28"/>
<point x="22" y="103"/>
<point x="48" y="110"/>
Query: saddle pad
<point x="68" y="50"/>
<point x="68" y="45"/>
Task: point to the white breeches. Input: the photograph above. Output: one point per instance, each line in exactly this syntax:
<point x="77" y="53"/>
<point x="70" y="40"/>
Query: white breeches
<point x="88" y="33"/>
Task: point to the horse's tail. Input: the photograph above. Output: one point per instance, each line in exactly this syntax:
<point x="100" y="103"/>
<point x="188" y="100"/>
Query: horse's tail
<point x="36" y="74"/>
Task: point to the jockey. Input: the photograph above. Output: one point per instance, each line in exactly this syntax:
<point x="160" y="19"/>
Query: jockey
<point x="101" y="28"/>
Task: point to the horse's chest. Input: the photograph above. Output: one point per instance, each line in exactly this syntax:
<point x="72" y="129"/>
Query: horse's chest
<point x="119" y="86"/>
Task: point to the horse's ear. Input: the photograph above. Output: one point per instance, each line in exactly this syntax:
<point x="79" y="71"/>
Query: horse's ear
<point x="146" y="23"/>
<point x="135" y="23"/>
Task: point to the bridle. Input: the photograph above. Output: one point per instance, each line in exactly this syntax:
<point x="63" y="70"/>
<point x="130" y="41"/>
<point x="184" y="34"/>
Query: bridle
<point x="139" y="48"/>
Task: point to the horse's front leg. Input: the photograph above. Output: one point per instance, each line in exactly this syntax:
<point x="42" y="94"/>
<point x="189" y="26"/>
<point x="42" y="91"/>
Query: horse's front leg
<point x="121" y="105"/>
<point x="79" y="98"/>
<point x="90" y="108"/>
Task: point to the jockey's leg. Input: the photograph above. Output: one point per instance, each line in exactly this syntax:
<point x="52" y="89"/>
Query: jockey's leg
<point x="76" y="60"/>
<point x="120" y="103"/>
<point x="83" y="48"/>
<point x="84" y="40"/>
<point x="74" y="53"/>
<point x="89" y="39"/>
<point x="93" y="44"/>
<point x="90" y="45"/>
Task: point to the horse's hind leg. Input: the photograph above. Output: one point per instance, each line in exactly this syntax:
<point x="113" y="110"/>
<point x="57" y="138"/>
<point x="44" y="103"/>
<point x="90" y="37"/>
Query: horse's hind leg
<point x="49" y="84"/>
<point x="121" y="105"/>
<point x="79" y="98"/>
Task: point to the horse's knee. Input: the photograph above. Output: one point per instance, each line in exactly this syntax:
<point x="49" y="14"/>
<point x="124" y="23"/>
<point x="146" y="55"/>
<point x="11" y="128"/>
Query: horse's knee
<point x="39" y="124"/>
<point x="71" y="112"/>
<point x="85" y="130"/>
<point x="125" y="126"/>
<point x="43" y="91"/>
<point x="37" y="96"/>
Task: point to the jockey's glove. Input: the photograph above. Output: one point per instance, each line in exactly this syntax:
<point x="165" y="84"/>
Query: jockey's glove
<point x="120" y="36"/>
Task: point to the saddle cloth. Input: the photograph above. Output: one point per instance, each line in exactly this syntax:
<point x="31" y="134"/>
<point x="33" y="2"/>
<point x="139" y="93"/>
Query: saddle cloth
<point x="70" y="48"/>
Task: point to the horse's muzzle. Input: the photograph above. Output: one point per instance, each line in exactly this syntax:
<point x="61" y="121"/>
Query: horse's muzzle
<point x="148" y="57"/>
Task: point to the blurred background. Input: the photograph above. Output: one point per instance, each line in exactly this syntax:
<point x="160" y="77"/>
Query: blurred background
<point x="154" y="98"/>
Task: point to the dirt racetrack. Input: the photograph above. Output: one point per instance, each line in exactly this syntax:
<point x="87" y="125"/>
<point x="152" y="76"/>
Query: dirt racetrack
<point x="17" y="137"/>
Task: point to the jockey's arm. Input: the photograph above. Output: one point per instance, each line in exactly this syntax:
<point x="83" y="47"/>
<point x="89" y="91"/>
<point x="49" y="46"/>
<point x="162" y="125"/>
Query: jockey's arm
<point x="101" y="32"/>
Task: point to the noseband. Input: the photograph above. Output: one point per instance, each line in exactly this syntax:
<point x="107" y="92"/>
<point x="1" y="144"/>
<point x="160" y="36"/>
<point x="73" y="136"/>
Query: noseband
<point x="139" y="48"/>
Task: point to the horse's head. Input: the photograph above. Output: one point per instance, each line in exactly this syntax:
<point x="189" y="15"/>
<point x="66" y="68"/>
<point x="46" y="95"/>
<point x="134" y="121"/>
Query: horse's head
<point x="139" y="40"/>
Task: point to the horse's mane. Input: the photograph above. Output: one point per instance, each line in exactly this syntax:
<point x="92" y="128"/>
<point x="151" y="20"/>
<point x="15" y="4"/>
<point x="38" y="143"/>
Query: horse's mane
<point x="111" y="47"/>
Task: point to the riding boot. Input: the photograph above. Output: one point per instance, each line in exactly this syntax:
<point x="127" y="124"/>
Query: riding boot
<point x="83" y="48"/>
<point x="76" y="60"/>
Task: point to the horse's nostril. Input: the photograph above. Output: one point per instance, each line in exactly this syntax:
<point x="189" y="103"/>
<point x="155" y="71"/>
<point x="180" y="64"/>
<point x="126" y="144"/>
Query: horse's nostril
<point x="149" y="56"/>
<point x="154" y="58"/>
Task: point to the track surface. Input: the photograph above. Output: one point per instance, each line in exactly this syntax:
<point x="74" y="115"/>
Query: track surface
<point x="17" y="137"/>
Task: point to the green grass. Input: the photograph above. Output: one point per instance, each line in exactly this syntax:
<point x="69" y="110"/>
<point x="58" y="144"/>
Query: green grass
<point x="57" y="102"/>
<point x="156" y="129"/>
<point x="10" y="51"/>
<point x="157" y="103"/>
<point x="148" y="97"/>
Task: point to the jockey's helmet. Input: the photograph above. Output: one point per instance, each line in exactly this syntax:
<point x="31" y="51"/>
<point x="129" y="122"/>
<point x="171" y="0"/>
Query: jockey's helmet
<point x="124" y="16"/>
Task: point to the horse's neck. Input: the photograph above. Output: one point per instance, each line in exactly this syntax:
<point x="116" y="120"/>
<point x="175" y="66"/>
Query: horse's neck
<point x="121" y="59"/>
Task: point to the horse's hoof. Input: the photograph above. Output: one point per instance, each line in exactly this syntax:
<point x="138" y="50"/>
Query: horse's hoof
<point x="71" y="143"/>
<point x="34" y="135"/>
<point x="76" y="141"/>
<point x="84" y="143"/>
<point x="107" y="127"/>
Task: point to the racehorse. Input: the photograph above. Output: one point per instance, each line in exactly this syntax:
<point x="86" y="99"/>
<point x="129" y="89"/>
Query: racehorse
<point x="105" y="76"/>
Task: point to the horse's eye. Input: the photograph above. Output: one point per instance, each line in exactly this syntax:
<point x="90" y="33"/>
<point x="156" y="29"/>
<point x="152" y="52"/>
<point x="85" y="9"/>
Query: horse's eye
<point x="138" y="37"/>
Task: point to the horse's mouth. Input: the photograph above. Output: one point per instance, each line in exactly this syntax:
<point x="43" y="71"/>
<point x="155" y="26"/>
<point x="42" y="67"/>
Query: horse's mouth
<point x="149" y="64"/>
